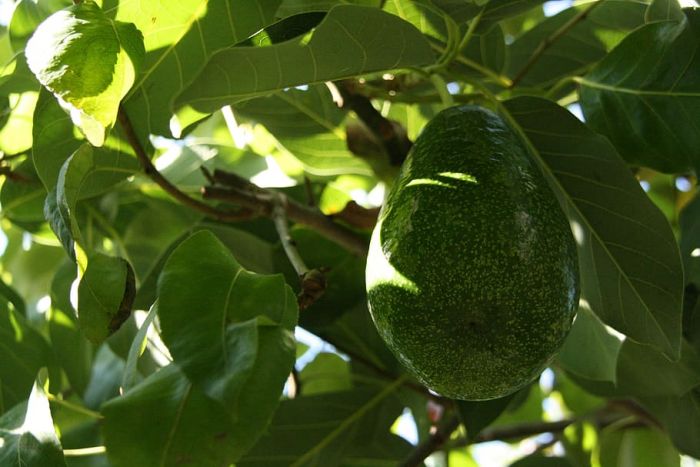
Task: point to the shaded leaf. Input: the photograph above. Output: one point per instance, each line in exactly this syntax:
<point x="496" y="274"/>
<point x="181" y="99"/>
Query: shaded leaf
<point x="637" y="447"/>
<point x="681" y="419"/>
<point x="631" y="273"/>
<point x="647" y="81"/>
<point x="192" y="428"/>
<point x="27" y="434"/>
<point x="664" y="10"/>
<point x="493" y="10"/>
<point x="318" y="430"/>
<point x="24" y="352"/>
<point x="351" y="40"/>
<point x="229" y="330"/>
<point x="22" y="200"/>
<point x="642" y="371"/>
<point x="105" y="296"/>
<point x="477" y="415"/>
<point x="89" y="62"/>
<point x="583" y="45"/>
<point x="10" y="295"/>
<point x="73" y="352"/>
<point x="599" y="361"/>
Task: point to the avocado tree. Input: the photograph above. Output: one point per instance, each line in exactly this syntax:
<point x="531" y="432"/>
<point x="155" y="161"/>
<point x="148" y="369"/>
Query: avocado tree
<point x="188" y="185"/>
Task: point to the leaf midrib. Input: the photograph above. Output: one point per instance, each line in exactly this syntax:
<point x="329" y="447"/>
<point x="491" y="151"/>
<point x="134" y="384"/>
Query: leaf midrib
<point x="633" y="91"/>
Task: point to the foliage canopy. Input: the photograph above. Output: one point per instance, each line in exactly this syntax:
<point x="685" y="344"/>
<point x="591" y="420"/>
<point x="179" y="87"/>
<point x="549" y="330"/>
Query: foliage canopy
<point x="151" y="280"/>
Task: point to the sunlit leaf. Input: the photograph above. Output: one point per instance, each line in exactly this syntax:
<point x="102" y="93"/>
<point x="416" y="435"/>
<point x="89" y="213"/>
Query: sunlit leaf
<point x="27" y="434"/>
<point x="89" y="62"/>
<point x="180" y="37"/>
<point x="350" y="40"/>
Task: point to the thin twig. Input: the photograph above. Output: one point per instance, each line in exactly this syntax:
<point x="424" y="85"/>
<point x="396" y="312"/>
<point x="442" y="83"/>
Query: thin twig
<point x="153" y="173"/>
<point x="551" y="39"/>
<point x="279" y="217"/>
<point x="432" y="444"/>
<point x="313" y="282"/>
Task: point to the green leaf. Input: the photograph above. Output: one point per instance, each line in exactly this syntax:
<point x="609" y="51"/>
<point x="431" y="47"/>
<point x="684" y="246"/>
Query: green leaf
<point x="138" y="345"/>
<point x="22" y="200"/>
<point x="89" y="62"/>
<point x="584" y="44"/>
<point x="689" y="222"/>
<point x="105" y="296"/>
<point x="192" y="428"/>
<point x="317" y="430"/>
<point x="10" y="295"/>
<point x="16" y="134"/>
<point x="180" y="37"/>
<point x="642" y="371"/>
<point x="27" y="434"/>
<point x="72" y="350"/>
<point x="24" y="352"/>
<point x="681" y="419"/>
<point x="637" y="447"/>
<point x="599" y="361"/>
<point x="310" y="126"/>
<point x="478" y="415"/>
<point x="328" y="372"/>
<point x="647" y="81"/>
<point x="664" y="10"/>
<point x="59" y="219"/>
<point x="85" y="173"/>
<point x="229" y="330"/>
<point x="631" y="275"/>
<point x="27" y="15"/>
<point x="493" y="10"/>
<point x="351" y="40"/>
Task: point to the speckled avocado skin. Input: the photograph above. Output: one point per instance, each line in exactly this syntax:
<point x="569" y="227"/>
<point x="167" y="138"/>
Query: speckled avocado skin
<point x="472" y="274"/>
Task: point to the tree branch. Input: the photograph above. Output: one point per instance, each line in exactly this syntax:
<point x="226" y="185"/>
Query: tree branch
<point x="253" y="200"/>
<point x="261" y="202"/>
<point x="551" y="39"/>
<point x="396" y="145"/>
<point x="432" y="444"/>
<point x="153" y="173"/>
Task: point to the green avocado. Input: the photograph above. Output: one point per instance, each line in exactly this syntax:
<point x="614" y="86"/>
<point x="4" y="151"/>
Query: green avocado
<point x="472" y="274"/>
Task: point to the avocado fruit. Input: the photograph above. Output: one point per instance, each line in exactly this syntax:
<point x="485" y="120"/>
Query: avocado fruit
<point x="472" y="275"/>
